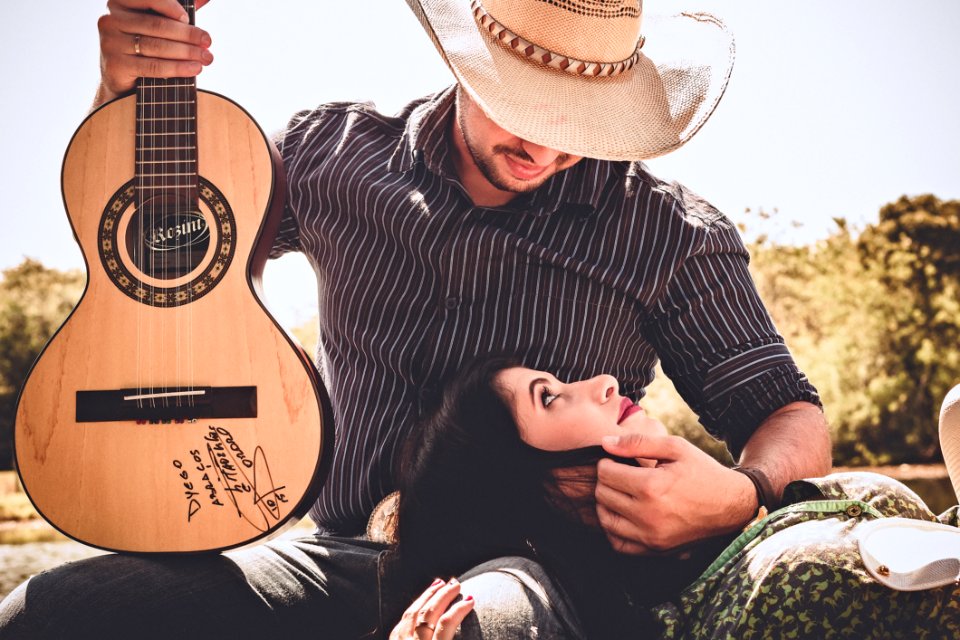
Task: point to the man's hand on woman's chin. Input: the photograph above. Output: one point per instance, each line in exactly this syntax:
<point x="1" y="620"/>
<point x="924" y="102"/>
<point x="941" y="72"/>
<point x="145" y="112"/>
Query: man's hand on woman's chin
<point x="687" y="497"/>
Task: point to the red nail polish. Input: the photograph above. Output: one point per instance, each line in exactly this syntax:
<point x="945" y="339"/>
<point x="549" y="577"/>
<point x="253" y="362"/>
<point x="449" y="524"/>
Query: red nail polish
<point x="468" y="599"/>
<point x="436" y="582"/>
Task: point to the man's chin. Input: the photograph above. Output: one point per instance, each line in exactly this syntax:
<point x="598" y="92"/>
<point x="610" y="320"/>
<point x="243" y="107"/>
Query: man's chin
<point x="497" y="172"/>
<point x="506" y="181"/>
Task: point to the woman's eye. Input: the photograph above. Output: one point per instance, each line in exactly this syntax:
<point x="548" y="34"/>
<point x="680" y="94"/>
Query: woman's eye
<point x="546" y="397"/>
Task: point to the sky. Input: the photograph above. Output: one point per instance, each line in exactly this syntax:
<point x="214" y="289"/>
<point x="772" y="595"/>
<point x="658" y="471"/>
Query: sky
<point x="834" y="107"/>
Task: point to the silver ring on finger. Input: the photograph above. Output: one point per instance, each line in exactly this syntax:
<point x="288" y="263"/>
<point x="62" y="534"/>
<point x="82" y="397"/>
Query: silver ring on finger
<point x="136" y="45"/>
<point x="425" y="624"/>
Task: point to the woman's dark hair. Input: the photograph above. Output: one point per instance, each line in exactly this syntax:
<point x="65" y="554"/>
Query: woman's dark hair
<point x="456" y="469"/>
<point x="471" y="490"/>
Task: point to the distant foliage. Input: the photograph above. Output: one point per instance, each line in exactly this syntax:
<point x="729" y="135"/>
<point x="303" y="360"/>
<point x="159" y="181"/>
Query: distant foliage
<point x="34" y="302"/>
<point x="913" y="254"/>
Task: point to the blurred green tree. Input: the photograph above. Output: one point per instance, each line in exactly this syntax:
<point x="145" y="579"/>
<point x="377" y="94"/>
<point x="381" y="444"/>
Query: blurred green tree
<point x="34" y="301"/>
<point x="914" y="253"/>
<point x="824" y="302"/>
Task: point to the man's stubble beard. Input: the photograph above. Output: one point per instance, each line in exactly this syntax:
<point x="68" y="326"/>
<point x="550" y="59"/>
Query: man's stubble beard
<point x="485" y="164"/>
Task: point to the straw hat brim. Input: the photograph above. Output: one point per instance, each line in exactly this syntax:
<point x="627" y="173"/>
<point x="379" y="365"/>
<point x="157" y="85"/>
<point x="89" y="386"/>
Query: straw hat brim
<point x="645" y="112"/>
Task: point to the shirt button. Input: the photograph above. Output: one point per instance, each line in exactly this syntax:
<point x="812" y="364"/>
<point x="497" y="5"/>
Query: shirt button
<point x="452" y="302"/>
<point x="854" y="511"/>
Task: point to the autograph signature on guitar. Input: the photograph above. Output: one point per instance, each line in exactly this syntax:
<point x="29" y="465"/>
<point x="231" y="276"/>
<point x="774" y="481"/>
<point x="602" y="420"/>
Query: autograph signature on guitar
<point x="222" y="468"/>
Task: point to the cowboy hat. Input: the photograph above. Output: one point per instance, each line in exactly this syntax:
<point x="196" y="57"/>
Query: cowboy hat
<point x="580" y="76"/>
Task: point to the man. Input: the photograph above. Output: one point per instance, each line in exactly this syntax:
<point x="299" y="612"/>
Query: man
<point x="503" y="214"/>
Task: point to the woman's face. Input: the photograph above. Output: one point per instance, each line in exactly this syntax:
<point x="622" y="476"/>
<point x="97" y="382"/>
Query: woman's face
<point x="560" y="416"/>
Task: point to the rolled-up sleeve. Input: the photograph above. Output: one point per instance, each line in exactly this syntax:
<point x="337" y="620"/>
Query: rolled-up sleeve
<point x="717" y="341"/>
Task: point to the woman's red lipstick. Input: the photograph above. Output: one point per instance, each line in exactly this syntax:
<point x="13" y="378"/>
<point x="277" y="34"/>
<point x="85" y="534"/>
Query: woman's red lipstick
<point x="627" y="409"/>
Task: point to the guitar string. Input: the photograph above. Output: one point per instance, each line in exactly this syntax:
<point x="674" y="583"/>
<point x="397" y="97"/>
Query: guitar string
<point x="157" y="363"/>
<point x="194" y="202"/>
<point x="149" y="260"/>
<point x="138" y="246"/>
<point x="193" y="177"/>
<point x="191" y="174"/>
<point x="190" y="171"/>
<point x="202" y="220"/>
<point x="183" y="198"/>
<point x="177" y="219"/>
<point x="142" y="245"/>
<point x="156" y="203"/>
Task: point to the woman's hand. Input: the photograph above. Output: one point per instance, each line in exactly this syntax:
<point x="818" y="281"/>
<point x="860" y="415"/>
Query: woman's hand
<point x="434" y="615"/>
<point x="148" y="38"/>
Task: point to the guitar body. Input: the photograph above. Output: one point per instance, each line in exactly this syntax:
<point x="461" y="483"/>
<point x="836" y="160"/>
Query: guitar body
<point x="170" y="412"/>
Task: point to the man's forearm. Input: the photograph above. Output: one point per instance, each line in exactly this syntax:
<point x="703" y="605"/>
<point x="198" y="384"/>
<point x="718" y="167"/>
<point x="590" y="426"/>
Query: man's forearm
<point x="793" y="443"/>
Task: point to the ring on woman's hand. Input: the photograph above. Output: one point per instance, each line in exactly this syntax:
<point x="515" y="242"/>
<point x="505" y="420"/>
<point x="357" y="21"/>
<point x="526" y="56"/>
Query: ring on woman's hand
<point x="136" y="45"/>
<point x="424" y="623"/>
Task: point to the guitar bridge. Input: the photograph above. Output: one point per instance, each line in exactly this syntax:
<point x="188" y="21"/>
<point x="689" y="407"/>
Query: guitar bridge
<point x="166" y="404"/>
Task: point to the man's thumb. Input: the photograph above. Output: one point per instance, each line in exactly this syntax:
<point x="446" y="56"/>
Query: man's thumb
<point x="638" y="445"/>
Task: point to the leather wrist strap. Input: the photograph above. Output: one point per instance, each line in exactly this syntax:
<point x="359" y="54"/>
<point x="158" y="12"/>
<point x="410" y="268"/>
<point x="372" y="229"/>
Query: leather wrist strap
<point x="766" y="496"/>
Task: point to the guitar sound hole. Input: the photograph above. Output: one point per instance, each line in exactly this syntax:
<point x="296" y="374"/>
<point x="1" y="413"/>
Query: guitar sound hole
<point x="166" y="239"/>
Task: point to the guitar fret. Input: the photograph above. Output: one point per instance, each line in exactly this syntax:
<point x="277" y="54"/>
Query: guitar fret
<point x="172" y="133"/>
<point x="163" y="83"/>
<point x="166" y="186"/>
<point x="165" y="119"/>
<point x="169" y="148"/>
<point x="168" y="175"/>
<point x="179" y="161"/>
<point x="176" y="102"/>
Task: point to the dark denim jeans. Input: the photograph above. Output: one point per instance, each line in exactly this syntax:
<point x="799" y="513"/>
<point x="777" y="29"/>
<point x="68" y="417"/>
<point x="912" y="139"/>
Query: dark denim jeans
<point x="309" y="587"/>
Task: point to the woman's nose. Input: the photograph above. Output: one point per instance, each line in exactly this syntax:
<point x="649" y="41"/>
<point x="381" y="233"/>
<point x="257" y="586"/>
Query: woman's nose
<point x="604" y="387"/>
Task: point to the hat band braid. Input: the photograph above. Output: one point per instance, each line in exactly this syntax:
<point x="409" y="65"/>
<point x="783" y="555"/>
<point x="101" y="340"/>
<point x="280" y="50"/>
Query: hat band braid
<point x="536" y="53"/>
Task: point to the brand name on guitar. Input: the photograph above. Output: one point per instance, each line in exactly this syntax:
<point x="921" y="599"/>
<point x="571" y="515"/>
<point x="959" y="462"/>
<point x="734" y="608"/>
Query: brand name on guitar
<point x="176" y="231"/>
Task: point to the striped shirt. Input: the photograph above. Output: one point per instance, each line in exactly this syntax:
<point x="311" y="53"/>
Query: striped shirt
<point x="603" y="269"/>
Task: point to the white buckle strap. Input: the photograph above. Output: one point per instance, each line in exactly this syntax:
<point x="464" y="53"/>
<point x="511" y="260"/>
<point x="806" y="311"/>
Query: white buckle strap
<point x="910" y="555"/>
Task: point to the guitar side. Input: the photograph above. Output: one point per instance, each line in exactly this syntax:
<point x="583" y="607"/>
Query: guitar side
<point x="169" y="481"/>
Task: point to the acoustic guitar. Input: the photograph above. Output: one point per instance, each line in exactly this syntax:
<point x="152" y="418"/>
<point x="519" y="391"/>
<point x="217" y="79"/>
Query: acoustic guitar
<point x="170" y="412"/>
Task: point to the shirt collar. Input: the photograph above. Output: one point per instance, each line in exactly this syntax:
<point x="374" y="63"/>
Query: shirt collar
<point x="425" y="140"/>
<point x="425" y="136"/>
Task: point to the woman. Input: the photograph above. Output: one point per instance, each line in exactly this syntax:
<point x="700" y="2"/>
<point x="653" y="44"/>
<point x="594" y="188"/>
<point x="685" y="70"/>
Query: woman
<point x="506" y="467"/>
<point x="474" y="487"/>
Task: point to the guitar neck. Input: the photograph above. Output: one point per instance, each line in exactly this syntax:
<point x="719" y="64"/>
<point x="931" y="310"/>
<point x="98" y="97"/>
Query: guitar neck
<point x="166" y="144"/>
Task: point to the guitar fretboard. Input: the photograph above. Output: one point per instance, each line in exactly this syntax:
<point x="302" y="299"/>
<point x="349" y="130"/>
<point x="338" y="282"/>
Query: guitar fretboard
<point x="166" y="146"/>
